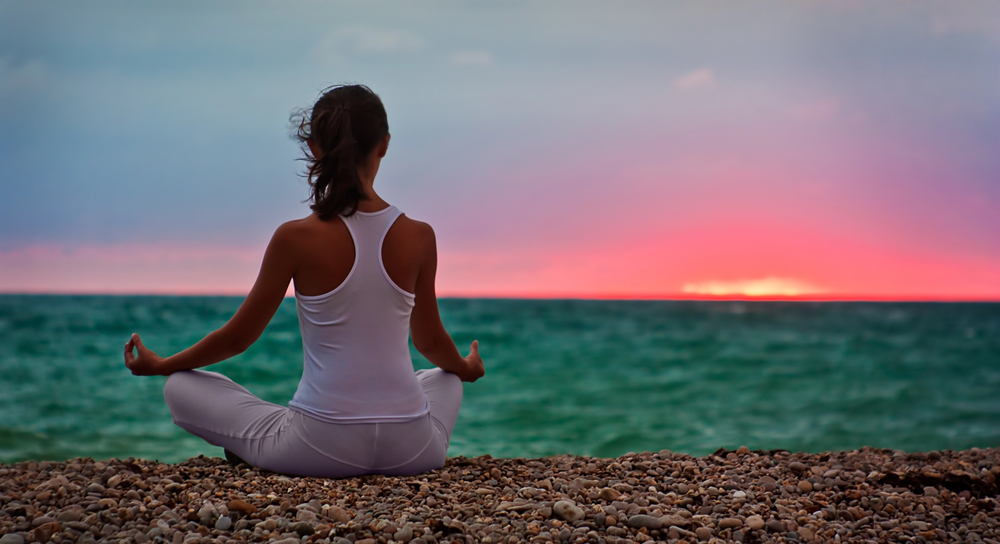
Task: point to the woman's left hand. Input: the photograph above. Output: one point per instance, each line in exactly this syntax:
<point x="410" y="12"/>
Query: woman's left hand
<point x="146" y="363"/>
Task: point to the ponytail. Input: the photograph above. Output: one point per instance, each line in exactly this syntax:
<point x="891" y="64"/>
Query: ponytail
<point x="345" y="124"/>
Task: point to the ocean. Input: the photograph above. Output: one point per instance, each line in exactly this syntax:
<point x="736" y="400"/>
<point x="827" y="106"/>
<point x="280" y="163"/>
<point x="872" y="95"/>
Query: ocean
<point x="587" y="377"/>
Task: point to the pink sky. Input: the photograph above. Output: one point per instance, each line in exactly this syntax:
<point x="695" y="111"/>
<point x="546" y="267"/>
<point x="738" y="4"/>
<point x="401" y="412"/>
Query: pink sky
<point x="827" y="150"/>
<point x="718" y="259"/>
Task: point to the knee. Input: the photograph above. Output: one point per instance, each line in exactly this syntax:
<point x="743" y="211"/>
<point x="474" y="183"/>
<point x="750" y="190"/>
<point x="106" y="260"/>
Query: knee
<point x="173" y="389"/>
<point x="452" y="383"/>
<point x="441" y="380"/>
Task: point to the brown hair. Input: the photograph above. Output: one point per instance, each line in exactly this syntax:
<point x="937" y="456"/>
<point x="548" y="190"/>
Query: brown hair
<point x="346" y="124"/>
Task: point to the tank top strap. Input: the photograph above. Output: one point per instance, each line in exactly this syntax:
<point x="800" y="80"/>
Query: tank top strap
<point x="368" y="229"/>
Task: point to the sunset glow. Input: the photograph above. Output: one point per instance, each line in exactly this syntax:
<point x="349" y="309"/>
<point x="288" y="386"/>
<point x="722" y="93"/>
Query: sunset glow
<point x="764" y="287"/>
<point x="821" y="150"/>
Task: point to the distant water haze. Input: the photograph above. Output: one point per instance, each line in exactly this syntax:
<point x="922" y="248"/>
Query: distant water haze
<point x="820" y="150"/>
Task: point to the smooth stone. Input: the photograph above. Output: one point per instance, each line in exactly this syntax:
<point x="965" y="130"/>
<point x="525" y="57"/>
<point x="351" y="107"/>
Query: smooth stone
<point x="568" y="511"/>
<point x="11" y="539"/>
<point x="41" y="520"/>
<point x="338" y="514"/>
<point x="797" y="467"/>
<point x="609" y="495"/>
<point x="305" y="515"/>
<point x="223" y="523"/>
<point x="805" y="486"/>
<point x="739" y="494"/>
<point x="755" y="523"/>
<point x="643" y="520"/>
<point x="775" y="525"/>
<point x="69" y="514"/>
<point x="703" y="533"/>
<point x="303" y="528"/>
<point x="730" y="523"/>
<point x="404" y="535"/>
<point x="95" y="488"/>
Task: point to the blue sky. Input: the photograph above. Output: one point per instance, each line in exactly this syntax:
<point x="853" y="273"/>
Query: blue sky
<point x="541" y="140"/>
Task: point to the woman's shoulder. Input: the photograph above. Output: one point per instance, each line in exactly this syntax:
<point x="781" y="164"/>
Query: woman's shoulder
<point x="417" y="230"/>
<point x="308" y="230"/>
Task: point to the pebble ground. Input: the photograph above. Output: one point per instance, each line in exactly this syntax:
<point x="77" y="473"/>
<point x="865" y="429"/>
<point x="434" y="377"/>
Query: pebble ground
<point x="866" y="495"/>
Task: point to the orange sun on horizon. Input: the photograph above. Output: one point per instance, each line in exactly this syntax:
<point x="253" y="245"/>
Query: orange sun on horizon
<point x="763" y="287"/>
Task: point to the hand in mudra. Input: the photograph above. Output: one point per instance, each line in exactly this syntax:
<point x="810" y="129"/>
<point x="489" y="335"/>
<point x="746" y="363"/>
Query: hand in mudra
<point x="474" y="364"/>
<point x="146" y="363"/>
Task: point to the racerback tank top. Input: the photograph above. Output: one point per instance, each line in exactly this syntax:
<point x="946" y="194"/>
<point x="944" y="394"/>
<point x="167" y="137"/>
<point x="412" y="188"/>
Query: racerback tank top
<point x="357" y="365"/>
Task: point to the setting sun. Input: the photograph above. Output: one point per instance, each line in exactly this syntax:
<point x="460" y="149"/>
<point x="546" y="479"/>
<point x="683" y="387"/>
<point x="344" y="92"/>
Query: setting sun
<point x="764" y="287"/>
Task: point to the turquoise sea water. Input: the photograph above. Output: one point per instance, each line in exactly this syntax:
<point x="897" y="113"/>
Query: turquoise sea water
<point x="586" y="377"/>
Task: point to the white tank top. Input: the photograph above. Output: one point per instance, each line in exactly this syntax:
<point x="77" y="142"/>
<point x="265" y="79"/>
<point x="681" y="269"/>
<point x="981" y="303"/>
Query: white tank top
<point x="354" y="339"/>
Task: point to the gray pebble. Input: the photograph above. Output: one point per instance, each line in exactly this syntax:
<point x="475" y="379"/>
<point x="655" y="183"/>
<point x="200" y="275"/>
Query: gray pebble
<point x="11" y="539"/>
<point x="69" y="514"/>
<point x="223" y="523"/>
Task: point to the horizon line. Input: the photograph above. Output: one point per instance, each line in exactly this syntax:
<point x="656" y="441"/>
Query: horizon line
<point x="828" y="297"/>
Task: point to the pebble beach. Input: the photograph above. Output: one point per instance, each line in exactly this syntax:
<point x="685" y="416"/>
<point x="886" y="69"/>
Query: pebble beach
<point x="866" y="495"/>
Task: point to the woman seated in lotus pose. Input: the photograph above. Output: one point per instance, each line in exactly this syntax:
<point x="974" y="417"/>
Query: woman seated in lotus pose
<point x="364" y="280"/>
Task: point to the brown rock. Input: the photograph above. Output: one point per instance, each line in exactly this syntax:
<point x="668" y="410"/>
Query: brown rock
<point x="241" y="506"/>
<point x="674" y="520"/>
<point x="730" y="523"/>
<point x="609" y="495"/>
<point x="338" y="514"/>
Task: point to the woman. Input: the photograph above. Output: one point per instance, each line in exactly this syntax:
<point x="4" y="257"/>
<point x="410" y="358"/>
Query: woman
<point x="364" y="279"/>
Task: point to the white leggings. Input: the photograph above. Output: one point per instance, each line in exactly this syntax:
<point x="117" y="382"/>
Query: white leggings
<point x="277" y="438"/>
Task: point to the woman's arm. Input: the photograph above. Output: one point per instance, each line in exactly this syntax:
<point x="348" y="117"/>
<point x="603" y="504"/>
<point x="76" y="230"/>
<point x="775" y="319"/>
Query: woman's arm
<point x="241" y="331"/>
<point x="428" y="333"/>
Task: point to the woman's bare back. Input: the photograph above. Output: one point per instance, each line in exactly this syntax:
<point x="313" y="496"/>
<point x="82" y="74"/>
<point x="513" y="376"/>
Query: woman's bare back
<point x="325" y="253"/>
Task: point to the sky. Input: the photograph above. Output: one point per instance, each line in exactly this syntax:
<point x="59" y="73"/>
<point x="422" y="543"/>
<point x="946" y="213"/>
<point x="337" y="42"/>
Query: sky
<point x="626" y="149"/>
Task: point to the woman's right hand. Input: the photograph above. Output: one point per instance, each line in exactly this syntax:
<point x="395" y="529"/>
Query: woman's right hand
<point x="147" y="363"/>
<point x="474" y="364"/>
